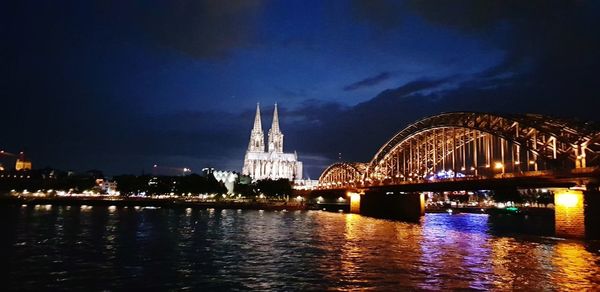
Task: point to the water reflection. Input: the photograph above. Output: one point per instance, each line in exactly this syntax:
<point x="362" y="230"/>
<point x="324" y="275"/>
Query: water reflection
<point x="455" y="253"/>
<point x="352" y="250"/>
<point x="118" y="248"/>
<point x="573" y="264"/>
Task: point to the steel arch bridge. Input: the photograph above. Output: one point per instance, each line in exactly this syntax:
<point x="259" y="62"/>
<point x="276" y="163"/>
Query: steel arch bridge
<point x="343" y="174"/>
<point x="474" y="145"/>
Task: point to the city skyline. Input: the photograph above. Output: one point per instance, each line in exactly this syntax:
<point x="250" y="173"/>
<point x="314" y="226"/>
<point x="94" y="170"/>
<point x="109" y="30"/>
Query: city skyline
<point x="120" y="88"/>
<point x="229" y="145"/>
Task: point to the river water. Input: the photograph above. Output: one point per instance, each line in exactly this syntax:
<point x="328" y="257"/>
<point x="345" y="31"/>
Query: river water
<point x="73" y="247"/>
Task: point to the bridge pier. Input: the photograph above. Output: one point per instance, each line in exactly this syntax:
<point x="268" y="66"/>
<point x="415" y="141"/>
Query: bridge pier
<point x="391" y="205"/>
<point x="354" y="202"/>
<point x="577" y="213"/>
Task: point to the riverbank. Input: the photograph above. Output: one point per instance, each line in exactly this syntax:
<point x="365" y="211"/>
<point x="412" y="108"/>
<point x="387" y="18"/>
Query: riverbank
<point x="152" y="202"/>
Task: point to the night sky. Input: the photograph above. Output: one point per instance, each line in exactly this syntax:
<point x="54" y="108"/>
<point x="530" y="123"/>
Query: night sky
<point x="122" y="85"/>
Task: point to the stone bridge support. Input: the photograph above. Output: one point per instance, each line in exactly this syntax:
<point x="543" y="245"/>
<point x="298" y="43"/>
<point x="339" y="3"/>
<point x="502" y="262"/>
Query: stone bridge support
<point x="577" y="213"/>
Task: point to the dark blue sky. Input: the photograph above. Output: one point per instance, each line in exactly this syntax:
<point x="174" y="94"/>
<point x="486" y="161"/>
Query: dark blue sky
<point x="119" y="87"/>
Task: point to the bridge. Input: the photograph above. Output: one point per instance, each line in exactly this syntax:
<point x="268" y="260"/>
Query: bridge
<point x="472" y="151"/>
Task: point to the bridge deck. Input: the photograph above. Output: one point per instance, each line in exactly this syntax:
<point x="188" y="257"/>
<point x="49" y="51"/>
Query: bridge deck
<point x="538" y="179"/>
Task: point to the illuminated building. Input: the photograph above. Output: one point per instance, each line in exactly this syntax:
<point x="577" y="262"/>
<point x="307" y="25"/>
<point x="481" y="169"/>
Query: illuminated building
<point x="22" y="164"/>
<point x="227" y="178"/>
<point x="107" y="187"/>
<point x="273" y="163"/>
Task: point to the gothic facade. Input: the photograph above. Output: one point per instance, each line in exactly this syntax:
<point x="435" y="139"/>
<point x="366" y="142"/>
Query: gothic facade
<point x="273" y="163"/>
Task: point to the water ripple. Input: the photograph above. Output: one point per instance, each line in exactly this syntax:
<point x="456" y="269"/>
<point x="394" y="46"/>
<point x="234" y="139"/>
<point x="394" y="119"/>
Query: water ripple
<point x="188" y="249"/>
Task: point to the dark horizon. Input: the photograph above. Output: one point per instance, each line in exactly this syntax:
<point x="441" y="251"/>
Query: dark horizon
<point x="119" y="87"/>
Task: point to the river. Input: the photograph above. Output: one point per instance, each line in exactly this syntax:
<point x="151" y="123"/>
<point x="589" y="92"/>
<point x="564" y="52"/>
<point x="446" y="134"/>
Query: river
<point x="72" y="247"/>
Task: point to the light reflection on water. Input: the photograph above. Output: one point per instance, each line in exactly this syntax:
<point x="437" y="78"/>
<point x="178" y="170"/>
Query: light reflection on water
<point x="127" y="248"/>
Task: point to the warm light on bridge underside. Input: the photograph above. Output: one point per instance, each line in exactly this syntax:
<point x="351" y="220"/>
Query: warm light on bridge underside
<point x="353" y="196"/>
<point x="354" y="202"/>
<point x="567" y="199"/>
<point x="498" y="165"/>
<point x="569" y="213"/>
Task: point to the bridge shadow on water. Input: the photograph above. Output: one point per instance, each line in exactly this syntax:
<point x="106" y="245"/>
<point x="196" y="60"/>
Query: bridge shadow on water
<point x="540" y="223"/>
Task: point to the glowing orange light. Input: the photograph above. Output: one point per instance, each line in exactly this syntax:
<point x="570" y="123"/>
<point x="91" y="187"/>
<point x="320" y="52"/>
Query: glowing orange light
<point x="354" y="202"/>
<point x="569" y="213"/>
<point x="568" y="200"/>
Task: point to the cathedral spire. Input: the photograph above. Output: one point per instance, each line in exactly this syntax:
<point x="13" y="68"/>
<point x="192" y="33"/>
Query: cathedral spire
<point x="257" y="123"/>
<point x="275" y="124"/>
<point x="275" y="135"/>
<point x="257" y="137"/>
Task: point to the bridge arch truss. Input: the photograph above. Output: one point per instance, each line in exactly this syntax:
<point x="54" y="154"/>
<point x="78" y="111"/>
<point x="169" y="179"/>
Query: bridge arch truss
<point x="343" y="174"/>
<point x="475" y="144"/>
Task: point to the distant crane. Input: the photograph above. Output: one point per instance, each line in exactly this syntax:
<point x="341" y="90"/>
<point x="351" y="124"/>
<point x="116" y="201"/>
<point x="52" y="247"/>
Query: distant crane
<point x="4" y="153"/>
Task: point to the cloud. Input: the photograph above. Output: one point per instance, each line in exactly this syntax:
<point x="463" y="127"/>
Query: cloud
<point x="550" y="34"/>
<point x="369" y="81"/>
<point x="381" y="14"/>
<point x="287" y="93"/>
<point x="538" y="33"/>
<point x="203" y="29"/>
<point x="409" y="89"/>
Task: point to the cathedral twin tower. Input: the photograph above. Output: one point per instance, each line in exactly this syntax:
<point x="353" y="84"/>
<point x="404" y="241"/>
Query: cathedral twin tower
<point x="274" y="163"/>
<point x="257" y="137"/>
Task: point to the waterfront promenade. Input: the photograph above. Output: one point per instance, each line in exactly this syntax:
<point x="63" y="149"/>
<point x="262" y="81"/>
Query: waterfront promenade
<point x="159" y="201"/>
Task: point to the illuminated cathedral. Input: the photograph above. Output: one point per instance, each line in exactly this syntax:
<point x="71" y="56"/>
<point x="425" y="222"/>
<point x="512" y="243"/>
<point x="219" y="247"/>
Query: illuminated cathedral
<point x="273" y="163"/>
